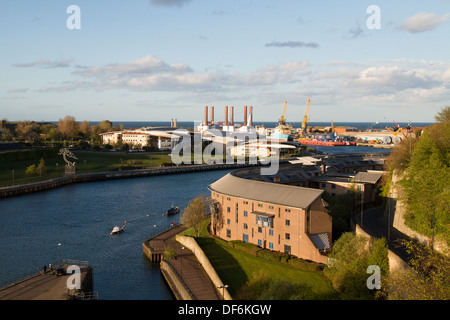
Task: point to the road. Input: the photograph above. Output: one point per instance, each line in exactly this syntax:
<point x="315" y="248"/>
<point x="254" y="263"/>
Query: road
<point x="375" y="224"/>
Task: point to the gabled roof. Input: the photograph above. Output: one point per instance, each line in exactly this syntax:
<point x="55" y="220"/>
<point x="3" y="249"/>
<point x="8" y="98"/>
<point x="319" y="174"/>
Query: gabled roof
<point x="286" y="195"/>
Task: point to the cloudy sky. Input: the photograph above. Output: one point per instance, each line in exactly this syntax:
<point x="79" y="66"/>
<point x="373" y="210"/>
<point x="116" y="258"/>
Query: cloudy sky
<point x="153" y="60"/>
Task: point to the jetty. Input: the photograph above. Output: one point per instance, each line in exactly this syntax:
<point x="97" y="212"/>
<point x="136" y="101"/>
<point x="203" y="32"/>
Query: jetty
<point x="51" y="285"/>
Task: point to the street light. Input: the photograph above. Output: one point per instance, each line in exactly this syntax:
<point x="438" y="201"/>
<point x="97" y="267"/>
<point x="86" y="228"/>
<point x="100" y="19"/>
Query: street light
<point x="59" y="249"/>
<point x="223" y="290"/>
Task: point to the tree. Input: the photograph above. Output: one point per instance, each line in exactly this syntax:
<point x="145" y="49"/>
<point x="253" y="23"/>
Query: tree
<point x="67" y="127"/>
<point x="425" y="184"/>
<point x="428" y="279"/>
<point x="194" y="214"/>
<point x="31" y="170"/>
<point x="351" y="256"/>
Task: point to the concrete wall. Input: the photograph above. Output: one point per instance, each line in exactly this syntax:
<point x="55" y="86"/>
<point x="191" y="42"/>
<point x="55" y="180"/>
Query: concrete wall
<point x="192" y="245"/>
<point x="395" y="262"/>
<point x="178" y="287"/>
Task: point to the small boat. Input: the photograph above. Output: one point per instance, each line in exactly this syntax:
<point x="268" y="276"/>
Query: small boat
<point x="117" y="230"/>
<point x="172" y="211"/>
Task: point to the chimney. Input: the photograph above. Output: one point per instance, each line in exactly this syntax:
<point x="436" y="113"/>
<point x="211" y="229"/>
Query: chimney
<point x="212" y="115"/>
<point x="232" y="116"/>
<point x="205" y="123"/>
<point x="226" y="116"/>
<point x="245" y="115"/>
<point x="250" y="123"/>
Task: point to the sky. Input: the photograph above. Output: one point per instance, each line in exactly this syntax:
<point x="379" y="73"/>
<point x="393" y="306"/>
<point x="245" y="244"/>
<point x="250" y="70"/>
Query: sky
<point x="156" y="60"/>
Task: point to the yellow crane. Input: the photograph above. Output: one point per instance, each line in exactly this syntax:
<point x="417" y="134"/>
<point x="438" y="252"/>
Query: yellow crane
<point x="305" y="119"/>
<point x="283" y="115"/>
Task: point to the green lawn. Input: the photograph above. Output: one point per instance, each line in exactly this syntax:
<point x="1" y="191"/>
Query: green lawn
<point x="235" y="268"/>
<point x="88" y="161"/>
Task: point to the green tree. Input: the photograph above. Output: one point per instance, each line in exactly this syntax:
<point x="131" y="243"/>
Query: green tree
<point x="428" y="279"/>
<point x="194" y="214"/>
<point x="31" y="170"/>
<point x="351" y="256"/>
<point x="425" y="184"/>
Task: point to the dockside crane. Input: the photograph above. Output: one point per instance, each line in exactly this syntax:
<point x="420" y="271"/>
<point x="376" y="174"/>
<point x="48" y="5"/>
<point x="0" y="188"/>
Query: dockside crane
<point x="305" y="120"/>
<point x="283" y="115"/>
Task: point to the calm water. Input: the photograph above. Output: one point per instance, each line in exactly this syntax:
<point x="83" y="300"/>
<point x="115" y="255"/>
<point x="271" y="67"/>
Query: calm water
<point x="81" y="216"/>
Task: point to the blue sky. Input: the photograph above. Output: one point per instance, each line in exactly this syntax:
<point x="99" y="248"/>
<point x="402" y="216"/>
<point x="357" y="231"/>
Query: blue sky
<point x="154" y="60"/>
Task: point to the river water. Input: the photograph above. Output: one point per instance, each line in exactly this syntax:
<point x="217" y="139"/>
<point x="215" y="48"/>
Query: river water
<point x="80" y="218"/>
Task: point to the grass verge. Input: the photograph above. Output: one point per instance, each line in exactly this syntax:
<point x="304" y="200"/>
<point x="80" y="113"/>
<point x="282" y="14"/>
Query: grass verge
<point x="236" y="268"/>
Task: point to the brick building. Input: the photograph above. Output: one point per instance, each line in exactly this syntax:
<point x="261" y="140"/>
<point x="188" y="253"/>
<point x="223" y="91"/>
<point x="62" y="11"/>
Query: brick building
<point x="274" y="216"/>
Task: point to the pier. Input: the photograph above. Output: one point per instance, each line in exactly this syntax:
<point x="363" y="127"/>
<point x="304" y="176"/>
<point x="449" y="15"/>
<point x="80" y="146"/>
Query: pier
<point x="51" y="286"/>
<point x="185" y="275"/>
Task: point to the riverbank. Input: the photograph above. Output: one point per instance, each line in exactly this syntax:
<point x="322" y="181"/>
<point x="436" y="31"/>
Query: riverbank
<point x="111" y="175"/>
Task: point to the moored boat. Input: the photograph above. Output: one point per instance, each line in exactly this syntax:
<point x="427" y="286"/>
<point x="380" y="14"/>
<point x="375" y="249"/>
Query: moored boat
<point x="117" y="230"/>
<point x="172" y="211"/>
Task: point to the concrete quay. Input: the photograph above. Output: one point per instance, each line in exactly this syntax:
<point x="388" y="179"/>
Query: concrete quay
<point x="49" y="286"/>
<point x="185" y="275"/>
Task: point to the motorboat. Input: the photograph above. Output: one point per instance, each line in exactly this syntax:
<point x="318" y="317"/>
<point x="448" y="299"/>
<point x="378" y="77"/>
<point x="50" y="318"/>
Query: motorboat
<point x="172" y="211"/>
<point x="117" y="230"/>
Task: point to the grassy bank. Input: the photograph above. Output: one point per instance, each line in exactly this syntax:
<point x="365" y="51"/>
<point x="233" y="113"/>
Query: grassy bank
<point x="13" y="164"/>
<point x="236" y="267"/>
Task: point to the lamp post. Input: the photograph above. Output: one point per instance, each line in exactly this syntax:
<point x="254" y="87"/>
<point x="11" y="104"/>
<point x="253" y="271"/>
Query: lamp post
<point x="59" y="255"/>
<point x="13" y="176"/>
<point x="181" y="257"/>
<point x="223" y="290"/>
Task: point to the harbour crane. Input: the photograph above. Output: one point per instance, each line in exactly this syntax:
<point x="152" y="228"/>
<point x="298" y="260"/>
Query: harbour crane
<point x="283" y="115"/>
<point x="305" y="120"/>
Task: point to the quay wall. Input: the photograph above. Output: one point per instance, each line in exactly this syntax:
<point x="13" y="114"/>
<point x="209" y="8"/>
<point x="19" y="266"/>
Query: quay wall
<point x="175" y="282"/>
<point x="110" y="175"/>
<point x="192" y="245"/>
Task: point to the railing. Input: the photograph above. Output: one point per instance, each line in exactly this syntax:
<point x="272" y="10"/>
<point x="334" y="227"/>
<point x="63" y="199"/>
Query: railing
<point x="23" y="276"/>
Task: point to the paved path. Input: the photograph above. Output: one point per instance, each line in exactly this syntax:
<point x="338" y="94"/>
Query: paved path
<point x="187" y="266"/>
<point x="375" y="224"/>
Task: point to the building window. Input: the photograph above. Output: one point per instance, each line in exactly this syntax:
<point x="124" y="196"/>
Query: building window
<point x="324" y="185"/>
<point x="271" y="232"/>
<point x="287" y="249"/>
<point x="245" y="226"/>
<point x="245" y="213"/>
<point x="260" y="205"/>
<point x="287" y="236"/>
<point x="260" y="243"/>
<point x="270" y="207"/>
<point x="287" y="210"/>
<point x="333" y="186"/>
<point x="228" y="209"/>
<point x="228" y="221"/>
<point x="228" y="233"/>
<point x="270" y="245"/>
<point x="259" y="230"/>
<point x="245" y="238"/>
<point x="287" y="222"/>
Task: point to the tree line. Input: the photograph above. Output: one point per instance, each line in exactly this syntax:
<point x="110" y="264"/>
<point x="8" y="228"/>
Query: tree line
<point x="67" y="128"/>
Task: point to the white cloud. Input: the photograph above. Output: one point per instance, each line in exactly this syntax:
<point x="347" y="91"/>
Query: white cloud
<point x="423" y="21"/>
<point x="46" y="63"/>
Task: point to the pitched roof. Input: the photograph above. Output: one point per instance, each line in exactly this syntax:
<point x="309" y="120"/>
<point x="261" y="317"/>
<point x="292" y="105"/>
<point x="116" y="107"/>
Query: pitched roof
<point x="367" y="177"/>
<point x="286" y="195"/>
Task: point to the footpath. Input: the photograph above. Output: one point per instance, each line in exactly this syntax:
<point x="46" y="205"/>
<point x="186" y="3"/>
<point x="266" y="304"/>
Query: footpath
<point x="186" y="266"/>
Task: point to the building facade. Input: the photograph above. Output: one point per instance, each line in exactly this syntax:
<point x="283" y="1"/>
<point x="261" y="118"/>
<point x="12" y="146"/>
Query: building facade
<point x="277" y="217"/>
